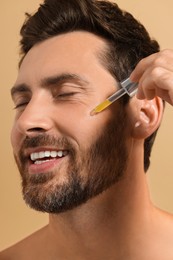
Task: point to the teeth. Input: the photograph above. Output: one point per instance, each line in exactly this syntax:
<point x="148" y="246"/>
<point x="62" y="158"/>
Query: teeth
<point x="60" y="153"/>
<point x="53" y="154"/>
<point x="40" y="162"/>
<point x="47" y="154"/>
<point x="43" y="154"/>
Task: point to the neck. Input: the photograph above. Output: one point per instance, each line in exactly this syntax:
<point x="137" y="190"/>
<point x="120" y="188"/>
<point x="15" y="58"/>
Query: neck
<point x="116" y="215"/>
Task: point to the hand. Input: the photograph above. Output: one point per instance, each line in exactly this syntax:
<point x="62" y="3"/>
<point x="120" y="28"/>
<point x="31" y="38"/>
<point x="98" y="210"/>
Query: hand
<point x="155" y="76"/>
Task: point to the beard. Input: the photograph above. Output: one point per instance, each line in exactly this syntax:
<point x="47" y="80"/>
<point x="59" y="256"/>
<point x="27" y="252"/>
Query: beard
<point x="90" y="171"/>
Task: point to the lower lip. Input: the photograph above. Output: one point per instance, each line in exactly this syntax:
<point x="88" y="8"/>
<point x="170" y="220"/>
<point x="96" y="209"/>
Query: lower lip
<point x="45" y="166"/>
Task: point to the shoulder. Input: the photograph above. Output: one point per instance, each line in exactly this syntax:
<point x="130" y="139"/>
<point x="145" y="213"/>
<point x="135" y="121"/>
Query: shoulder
<point x="25" y="248"/>
<point x="163" y="229"/>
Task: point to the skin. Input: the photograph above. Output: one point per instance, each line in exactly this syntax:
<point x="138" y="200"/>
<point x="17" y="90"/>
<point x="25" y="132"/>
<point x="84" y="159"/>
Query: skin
<point x="121" y="223"/>
<point x="155" y="76"/>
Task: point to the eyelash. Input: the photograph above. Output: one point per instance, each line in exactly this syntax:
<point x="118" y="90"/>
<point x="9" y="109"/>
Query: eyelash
<point x="20" y="105"/>
<point x="65" y="94"/>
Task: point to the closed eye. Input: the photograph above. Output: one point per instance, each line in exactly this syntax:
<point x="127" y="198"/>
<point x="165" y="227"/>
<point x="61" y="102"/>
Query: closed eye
<point x="21" y="101"/>
<point x="21" y="105"/>
<point x="21" y="95"/>
<point x="65" y="95"/>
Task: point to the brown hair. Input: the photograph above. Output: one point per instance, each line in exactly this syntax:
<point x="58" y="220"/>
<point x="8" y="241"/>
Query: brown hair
<point x="128" y="41"/>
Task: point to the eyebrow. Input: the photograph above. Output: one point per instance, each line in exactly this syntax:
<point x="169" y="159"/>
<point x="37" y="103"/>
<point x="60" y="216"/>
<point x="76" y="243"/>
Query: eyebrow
<point x="51" y="81"/>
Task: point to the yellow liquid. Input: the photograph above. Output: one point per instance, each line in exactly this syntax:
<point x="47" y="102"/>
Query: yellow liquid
<point x="101" y="107"/>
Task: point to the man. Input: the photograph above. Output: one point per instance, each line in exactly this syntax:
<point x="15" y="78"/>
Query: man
<point x="88" y="171"/>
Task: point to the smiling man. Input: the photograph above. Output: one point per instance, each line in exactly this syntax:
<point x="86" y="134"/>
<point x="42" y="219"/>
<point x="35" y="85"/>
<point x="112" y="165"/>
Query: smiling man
<point x="64" y="148"/>
<point x="88" y="171"/>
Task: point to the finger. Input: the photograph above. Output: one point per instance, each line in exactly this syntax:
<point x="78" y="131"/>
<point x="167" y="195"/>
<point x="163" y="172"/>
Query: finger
<point x="140" y="94"/>
<point x="141" y="68"/>
<point x="158" y="82"/>
<point x="162" y="59"/>
<point x="146" y="94"/>
<point x="166" y="96"/>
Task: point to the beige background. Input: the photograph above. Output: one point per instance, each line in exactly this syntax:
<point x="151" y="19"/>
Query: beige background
<point x="16" y="220"/>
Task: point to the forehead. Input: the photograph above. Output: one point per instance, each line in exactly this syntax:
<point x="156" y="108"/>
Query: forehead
<point x="75" y="52"/>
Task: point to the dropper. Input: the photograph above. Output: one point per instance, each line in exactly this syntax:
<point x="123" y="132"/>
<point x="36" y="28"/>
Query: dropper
<point x="127" y="87"/>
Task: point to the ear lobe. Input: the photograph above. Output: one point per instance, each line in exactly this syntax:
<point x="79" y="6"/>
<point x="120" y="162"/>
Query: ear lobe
<point x="148" y="117"/>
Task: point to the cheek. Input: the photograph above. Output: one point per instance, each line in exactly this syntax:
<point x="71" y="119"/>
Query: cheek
<point x="84" y="128"/>
<point x="15" y="138"/>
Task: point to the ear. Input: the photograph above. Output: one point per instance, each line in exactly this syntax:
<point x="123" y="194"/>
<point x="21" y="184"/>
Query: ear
<point x="146" y="116"/>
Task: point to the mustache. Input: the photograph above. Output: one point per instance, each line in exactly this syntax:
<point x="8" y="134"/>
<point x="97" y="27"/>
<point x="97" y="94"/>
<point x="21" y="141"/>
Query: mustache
<point x="46" y="140"/>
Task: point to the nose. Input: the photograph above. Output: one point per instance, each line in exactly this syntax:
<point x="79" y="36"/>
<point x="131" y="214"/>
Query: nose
<point x="37" y="117"/>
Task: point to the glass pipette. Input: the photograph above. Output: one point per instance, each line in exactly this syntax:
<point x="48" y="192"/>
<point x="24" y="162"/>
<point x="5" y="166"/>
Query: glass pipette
<point x="127" y="87"/>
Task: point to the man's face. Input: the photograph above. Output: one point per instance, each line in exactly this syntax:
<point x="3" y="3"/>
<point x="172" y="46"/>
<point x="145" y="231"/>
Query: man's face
<point x="66" y="156"/>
